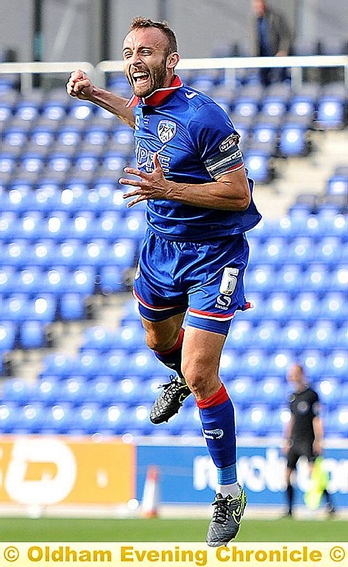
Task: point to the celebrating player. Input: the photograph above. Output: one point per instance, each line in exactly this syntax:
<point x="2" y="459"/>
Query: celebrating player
<point x="190" y="171"/>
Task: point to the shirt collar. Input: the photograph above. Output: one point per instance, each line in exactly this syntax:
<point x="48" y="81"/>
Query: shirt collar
<point x="158" y="96"/>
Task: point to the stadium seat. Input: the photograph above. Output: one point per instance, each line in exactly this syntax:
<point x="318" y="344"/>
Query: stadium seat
<point x="260" y="279"/>
<point x="59" y="419"/>
<point x="293" y="335"/>
<point x="254" y="421"/>
<point x="293" y="140"/>
<point x="323" y="335"/>
<point x="32" y="334"/>
<point x="334" y="306"/>
<point x="15" y="390"/>
<point x="8" y="334"/>
<point x="72" y="306"/>
<point x="239" y="335"/>
<point x="331" y="112"/>
<point x="258" y="165"/>
<point x="336" y="364"/>
<point x="58" y="365"/>
<point x="337" y="185"/>
<point x="278" y="307"/>
<point x="288" y="279"/>
<point x="241" y="390"/>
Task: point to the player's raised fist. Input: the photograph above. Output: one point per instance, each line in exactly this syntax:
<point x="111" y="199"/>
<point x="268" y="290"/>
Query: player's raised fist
<point x="79" y="85"/>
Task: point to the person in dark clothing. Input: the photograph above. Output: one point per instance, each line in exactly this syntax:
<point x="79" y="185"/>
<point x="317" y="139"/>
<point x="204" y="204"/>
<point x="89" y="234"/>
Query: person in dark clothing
<point x="304" y="433"/>
<point x="272" y="37"/>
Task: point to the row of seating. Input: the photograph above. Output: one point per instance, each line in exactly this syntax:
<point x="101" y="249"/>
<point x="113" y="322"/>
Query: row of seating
<point x="121" y="419"/>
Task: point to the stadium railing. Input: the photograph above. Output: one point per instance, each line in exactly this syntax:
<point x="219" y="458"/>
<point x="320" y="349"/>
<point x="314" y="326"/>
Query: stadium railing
<point x="231" y="65"/>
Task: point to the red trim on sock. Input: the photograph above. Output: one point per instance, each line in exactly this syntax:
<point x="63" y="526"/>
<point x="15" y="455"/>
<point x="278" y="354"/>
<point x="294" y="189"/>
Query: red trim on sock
<point x="220" y="397"/>
<point x="177" y="345"/>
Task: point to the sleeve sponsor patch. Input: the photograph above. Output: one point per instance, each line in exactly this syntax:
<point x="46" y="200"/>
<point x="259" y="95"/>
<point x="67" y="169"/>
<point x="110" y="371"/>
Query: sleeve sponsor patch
<point x="230" y="159"/>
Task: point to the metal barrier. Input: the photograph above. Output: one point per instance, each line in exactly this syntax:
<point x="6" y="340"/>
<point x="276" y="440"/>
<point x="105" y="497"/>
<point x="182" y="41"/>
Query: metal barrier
<point x="295" y="64"/>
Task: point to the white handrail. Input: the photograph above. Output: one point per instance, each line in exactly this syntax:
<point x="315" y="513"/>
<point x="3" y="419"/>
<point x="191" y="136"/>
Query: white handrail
<point x="295" y="63"/>
<point x="98" y="73"/>
<point x="26" y="71"/>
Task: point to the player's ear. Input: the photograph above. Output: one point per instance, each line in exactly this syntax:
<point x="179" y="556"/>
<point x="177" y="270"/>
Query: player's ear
<point x="173" y="60"/>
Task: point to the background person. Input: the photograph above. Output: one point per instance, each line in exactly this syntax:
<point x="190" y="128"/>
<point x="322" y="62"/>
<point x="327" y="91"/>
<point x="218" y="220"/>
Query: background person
<point x="304" y="433"/>
<point x="271" y="37"/>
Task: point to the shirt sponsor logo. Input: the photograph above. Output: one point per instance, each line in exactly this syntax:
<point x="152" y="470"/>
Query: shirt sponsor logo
<point x="166" y="130"/>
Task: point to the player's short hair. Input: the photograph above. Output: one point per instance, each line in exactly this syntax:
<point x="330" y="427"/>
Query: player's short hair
<point x="140" y="22"/>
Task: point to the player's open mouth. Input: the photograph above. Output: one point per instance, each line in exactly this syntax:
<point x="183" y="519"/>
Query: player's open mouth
<point x="140" y="77"/>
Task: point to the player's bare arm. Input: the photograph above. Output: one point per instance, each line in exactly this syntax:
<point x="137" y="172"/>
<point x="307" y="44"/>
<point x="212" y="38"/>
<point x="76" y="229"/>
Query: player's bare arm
<point x="230" y="192"/>
<point x="81" y="86"/>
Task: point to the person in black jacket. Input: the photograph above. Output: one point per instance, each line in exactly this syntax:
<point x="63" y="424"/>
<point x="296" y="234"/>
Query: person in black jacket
<point x="304" y="433"/>
<point x="272" y="37"/>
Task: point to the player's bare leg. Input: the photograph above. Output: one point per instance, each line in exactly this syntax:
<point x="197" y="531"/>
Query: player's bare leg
<point x="165" y="338"/>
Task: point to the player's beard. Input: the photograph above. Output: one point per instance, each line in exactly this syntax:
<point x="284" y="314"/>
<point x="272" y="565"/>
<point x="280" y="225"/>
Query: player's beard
<point x="157" y="77"/>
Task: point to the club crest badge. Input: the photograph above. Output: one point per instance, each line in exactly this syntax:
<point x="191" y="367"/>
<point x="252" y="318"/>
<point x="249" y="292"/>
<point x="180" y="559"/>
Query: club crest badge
<point x="166" y="130"/>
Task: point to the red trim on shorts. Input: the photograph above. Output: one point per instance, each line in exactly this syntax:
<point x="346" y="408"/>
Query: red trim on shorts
<point x="153" y="307"/>
<point x="220" y="397"/>
<point x="209" y="315"/>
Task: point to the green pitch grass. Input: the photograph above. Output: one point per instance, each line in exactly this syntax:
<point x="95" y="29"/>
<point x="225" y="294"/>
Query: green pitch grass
<point x="78" y="529"/>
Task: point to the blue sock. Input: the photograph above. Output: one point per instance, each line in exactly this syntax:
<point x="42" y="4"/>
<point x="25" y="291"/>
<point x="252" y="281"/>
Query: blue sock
<point x="218" y="424"/>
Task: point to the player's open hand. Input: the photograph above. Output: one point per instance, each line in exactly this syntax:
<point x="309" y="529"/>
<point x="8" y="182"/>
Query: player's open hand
<point x="79" y="85"/>
<point x="149" y="185"/>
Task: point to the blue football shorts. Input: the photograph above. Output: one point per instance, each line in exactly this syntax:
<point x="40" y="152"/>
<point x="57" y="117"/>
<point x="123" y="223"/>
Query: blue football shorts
<point x="203" y="278"/>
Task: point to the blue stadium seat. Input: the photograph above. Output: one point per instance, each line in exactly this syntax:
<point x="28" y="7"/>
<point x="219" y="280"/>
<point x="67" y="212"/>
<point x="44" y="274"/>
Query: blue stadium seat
<point x="8" y="334"/>
<point x="334" y="306"/>
<point x="294" y="335"/>
<point x="15" y="390"/>
<point x="270" y="391"/>
<point x="279" y="418"/>
<point x="278" y="362"/>
<point x="229" y="364"/>
<point x="330" y="392"/>
<point x="241" y="390"/>
<point x="101" y="391"/>
<point x="30" y="418"/>
<point x="42" y="308"/>
<point x="300" y="251"/>
<point x="58" y="419"/>
<point x="254" y="420"/>
<point x="86" y="420"/>
<point x="305" y="306"/>
<point x="323" y="335"/>
<point x="239" y="335"/>
<point x="114" y="364"/>
<point x="314" y="363"/>
<point x="144" y="364"/>
<point x="338" y="422"/>
<point x="337" y="185"/>
<point x="253" y="363"/>
<point x="8" y="417"/>
<point x="265" y="335"/>
<point x="288" y="279"/>
<point x="339" y="278"/>
<point x="72" y="306"/>
<point x="58" y="365"/>
<point x="257" y="162"/>
<point x="73" y="391"/>
<point x="336" y="364"/>
<point x="294" y="140"/>
<point x="32" y="334"/>
<point x="278" y="307"/>
<point x="331" y="112"/>
<point x="15" y="308"/>
<point x="260" y="279"/>
<point x="114" y="420"/>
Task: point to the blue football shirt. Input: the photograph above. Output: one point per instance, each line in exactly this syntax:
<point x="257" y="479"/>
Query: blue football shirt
<point x="196" y="143"/>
